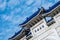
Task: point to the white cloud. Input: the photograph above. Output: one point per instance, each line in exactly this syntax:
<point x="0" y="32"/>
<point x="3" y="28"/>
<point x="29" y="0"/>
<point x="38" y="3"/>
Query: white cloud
<point x="34" y="10"/>
<point x="46" y="6"/>
<point x="17" y="19"/>
<point x="5" y="17"/>
<point x="48" y="3"/>
<point x="1" y="1"/>
<point x="15" y="11"/>
<point x="13" y="19"/>
<point x="3" y="6"/>
<point x="37" y="3"/>
<point x="13" y="3"/>
<point x="29" y="2"/>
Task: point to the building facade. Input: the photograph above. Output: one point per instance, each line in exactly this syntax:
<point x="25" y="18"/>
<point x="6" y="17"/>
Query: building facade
<point x="38" y="27"/>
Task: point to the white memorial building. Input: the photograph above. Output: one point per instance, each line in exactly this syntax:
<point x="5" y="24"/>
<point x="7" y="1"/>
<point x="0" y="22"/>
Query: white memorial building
<point x="42" y="25"/>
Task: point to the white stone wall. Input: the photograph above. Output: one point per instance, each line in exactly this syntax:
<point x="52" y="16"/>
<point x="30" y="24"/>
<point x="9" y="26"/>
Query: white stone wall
<point x="57" y="19"/>
<point x="41" y="31"/>
<point x="38" y="28"/>
<point x="47" y="33"/>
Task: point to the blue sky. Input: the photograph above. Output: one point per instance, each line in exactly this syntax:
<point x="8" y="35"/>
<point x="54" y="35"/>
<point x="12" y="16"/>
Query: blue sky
<point x="14" y="12"/>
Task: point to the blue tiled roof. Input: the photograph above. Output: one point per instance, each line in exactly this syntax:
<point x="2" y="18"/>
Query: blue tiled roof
<point x="16" y="33"/>
<point x="54" y="6"/>
<point x="51" y="8"/>
<point x="46" y="11"/>
<point x="19" y="32"/>
<point x="28" y="19"/>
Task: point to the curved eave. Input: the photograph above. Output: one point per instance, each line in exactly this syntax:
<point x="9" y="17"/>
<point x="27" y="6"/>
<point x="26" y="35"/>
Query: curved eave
<point x="54" y="6"/>
<point x="57" y="5"/>
<point x="20" y="34"/>
<point x="16" y="34"/>
<point x="28" y="19"/>
<point x="36" y="13"/>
